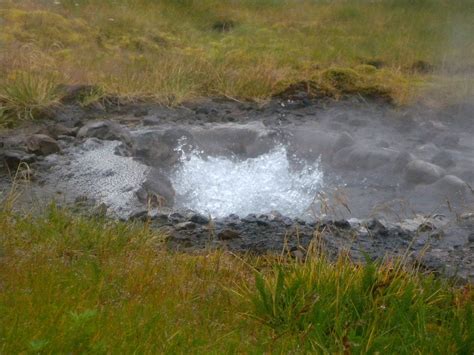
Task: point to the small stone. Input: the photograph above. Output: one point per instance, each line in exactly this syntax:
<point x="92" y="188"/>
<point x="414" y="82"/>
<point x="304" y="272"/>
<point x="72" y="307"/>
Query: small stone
<point x="298" y="255"/>
<point x="60" y="130"/>
<point x="422" y="172"/>
<point x="228" y="234"/>
<point x="467" y="216"/>
<point x="437" y="234"/>
<point x="199" y="219"/>
<point x="287" y="221"/>
<point x="105" y="130"/>
<point x="376" y="227"/>
<point x="342" y="224"/>
<point x="141" y="215"/>
<point x="140" y="112"/>
<point x="451" y="185"/>
<point x="426" y="227"/>
<point x="251" y="218"/>
<point x="13" y="158"/>
<point x="151" y="121"/>
<point x="176" y="217"/>
<point x="41" y="144"/>
<point x="470" y="238"/>
<point x="185" y="226"/>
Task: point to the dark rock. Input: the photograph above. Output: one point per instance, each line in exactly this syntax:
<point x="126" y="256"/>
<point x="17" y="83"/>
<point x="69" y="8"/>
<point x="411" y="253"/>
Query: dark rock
<point x="422" y="172"/>
<point x="437" y="234"/>
<point x="58" y="130"/>
<point x="451" y="185"/>
<point x="158" y="148"/>
<point x="202" y="110"/>
<point x="157" y="190"/>
<point x="376" y="227"/>
<point x="185" y="226"/>
<point x="151" y="121"/>
<point x="363" y="157"/>
<point x="426" y="227"/>
<point x="123" y="150"/>
<point x="300" y="221"/>
<point x="42" y="144"/>
<point x="470" y="238"/>
<point x="342" y="224"/>
<point x="176" y="217"/>
<point x="251" y="218"/>
<point x="287" y="221"/>
<point x="105" y="130"/>
<point x="140" y="112"/>
<point x="228" y="234"/>
<point x="262" y="222"/>
<point x="13" y="158"/>
<point x="199" y="219"/>
<point x="141" y="215"/>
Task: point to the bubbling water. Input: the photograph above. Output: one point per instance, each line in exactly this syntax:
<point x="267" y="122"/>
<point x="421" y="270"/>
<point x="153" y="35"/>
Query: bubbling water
<point x="221" y="186"/>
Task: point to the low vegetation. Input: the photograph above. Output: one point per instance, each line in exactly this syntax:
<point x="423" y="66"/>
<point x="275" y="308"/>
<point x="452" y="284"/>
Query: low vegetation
<point x="171" y="51"/>
<point x="74" y="284"/>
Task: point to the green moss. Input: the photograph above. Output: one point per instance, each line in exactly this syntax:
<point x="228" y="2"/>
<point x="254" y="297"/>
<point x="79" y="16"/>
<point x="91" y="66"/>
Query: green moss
<point x="341" y="79"/>
<point x="366" y="69"/>
<point x="44" y="28"/>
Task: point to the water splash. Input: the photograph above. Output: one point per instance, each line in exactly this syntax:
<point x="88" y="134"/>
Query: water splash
<point x="221" y="186"/>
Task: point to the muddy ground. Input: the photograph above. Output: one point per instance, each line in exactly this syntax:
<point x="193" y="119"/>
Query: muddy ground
<point x="397" y="181"/>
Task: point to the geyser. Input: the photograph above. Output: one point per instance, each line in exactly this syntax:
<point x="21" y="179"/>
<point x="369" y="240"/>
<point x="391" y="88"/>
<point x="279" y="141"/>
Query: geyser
<point x="221" y="186"/>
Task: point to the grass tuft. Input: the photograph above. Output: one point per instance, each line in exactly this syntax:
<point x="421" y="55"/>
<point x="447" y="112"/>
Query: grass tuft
<point x="27" y="96"/>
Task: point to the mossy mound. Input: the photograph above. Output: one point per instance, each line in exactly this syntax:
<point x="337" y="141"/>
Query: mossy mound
<point x="45" y="29"/>
<point x="345" y="81"/>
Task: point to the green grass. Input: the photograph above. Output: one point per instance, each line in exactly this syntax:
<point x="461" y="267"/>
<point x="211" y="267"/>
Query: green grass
<point x="74" y="284"/>
<point x="27" y="96"/>
<point x="170" y="52"/>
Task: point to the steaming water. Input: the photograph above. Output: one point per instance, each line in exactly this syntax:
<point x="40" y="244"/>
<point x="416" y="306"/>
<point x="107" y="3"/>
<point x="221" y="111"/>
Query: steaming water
<point x="95" y="171"/>
<point x="221" y="186"/>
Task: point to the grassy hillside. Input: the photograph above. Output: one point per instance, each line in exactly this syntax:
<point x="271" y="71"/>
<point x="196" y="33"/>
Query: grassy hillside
<point x="73" y="285"/>
<point x="178" y="50"/>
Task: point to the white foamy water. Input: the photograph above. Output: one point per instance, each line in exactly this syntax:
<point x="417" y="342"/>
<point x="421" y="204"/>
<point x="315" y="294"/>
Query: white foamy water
<point x="221" y="186"/>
